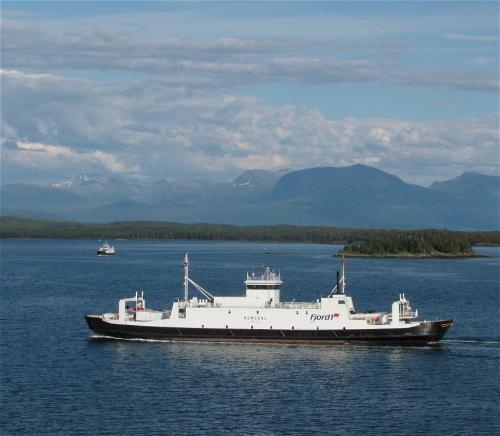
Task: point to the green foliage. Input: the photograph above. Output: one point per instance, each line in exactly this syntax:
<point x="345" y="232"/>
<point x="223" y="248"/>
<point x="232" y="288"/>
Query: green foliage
<point x="483" y="238"/>
<point x="358" y="241"/>
<point x="417" y="242"/>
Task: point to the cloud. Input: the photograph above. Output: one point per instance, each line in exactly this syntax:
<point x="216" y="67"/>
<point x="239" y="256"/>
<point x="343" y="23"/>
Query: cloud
<point x="219" y="62"/>
<point x="36" y="154"/>
<point x="163" y="92"/>
<point x="76" y="112"/>
<point x="481" y="60"/>
<point x="466" y="37"/>
<point x="291" y="137"/>
<point x="152" y="130"/>
<point x="37" y="45"/>
<point x="456" y="79"/>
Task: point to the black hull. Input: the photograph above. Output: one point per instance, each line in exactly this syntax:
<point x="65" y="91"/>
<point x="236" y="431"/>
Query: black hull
<point x="103" y="253"/>
<point x="423" y="334"/>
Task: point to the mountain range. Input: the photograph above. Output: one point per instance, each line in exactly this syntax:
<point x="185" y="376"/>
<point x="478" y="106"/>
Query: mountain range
<point x="352" y="196"/>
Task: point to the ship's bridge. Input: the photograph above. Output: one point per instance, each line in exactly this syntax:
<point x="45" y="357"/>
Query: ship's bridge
<point x="265" y="286"/>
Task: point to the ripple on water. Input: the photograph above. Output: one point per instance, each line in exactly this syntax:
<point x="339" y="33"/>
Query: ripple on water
<point x="57" y="380"/>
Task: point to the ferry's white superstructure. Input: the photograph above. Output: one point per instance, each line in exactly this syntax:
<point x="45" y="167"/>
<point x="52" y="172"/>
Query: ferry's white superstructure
<point x="261" y="316"/>
<point x="106" y="250"/>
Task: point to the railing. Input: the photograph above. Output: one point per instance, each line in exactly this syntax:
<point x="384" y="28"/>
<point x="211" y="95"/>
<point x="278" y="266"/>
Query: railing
<point x="409" y="314"/>
<point x="199" y="304"/>
<point x="267" y="276"/>
<point x="283" y="305"/>
<point x="372" y="319"/>
<point x="295" y="305"/>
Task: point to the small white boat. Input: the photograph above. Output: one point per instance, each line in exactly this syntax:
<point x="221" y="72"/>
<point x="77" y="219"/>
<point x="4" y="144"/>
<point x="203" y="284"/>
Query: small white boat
<point x="106" y="250"/>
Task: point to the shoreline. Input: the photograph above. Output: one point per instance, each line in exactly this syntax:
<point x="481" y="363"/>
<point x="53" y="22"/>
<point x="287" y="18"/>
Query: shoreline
<point x="338" y="254"/>
<point x="351" y="242"/>
<point x="413" y="256"/>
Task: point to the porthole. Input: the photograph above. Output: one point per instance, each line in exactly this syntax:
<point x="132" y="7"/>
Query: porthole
<point x="203" y="326"/>
<point x="228" y="311"/>
<point x="271" y="327"/>
<point x="293" y="328"/>
<point x="227" y="327"/>
<point x="297" y="312"/>
<point x="257" y="311"/>
<point x="251" y="327"/>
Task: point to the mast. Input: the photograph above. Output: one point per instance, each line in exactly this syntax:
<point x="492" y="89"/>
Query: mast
<point x="186" y="278"/>
<point x="343" y="276"/>
<point x="339" y="288"/>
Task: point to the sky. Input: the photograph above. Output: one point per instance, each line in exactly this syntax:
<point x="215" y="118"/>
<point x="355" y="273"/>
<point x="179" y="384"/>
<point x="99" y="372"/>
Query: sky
<point x="208" y="90"/>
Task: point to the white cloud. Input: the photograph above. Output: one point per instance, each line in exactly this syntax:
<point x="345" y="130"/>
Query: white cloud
<point x="416" y="151"/>
<point x="56" y="156"/>
<point x="468" y="37"/>
<point x="481" y="60"/>
<point x="219" y="62"/>
<point x="164" y="131"/>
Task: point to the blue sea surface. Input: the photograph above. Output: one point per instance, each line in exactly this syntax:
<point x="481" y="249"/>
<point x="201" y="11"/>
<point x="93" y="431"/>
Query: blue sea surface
<point x="56" y="378"/>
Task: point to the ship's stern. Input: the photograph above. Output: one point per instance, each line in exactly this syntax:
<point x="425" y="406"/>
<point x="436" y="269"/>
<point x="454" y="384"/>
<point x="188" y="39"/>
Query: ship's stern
<point x="95" y="323"/>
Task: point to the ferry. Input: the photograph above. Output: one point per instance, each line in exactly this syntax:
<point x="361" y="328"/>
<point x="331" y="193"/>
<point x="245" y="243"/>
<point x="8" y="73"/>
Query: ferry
<point x="261" y="316"/>
<point x="106" y="250"/>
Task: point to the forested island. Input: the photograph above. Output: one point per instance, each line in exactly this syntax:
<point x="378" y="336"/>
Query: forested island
<point x="415" y="244"/>
<point x="357" y="242"/>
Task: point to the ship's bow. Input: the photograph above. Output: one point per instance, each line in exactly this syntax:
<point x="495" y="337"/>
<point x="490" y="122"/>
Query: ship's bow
<point x="435" y="330"/>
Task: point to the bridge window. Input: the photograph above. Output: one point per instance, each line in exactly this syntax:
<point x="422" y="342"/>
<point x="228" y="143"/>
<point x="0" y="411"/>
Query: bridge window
<point x="263" y="286"/>
<point x="341" y="302"/>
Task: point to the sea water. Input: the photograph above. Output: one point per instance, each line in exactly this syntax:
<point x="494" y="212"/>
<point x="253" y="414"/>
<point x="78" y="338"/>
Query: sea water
<point x="56" y="378"/>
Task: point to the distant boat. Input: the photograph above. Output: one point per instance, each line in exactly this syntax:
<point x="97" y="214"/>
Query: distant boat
<point x="106" y="250"/>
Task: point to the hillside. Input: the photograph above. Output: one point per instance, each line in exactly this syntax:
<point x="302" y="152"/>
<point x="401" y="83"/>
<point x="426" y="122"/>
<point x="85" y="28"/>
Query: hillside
<point x="476" y="190"/>
<point x="363" y="196"/>
<point x="353" y="196"/>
